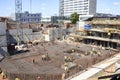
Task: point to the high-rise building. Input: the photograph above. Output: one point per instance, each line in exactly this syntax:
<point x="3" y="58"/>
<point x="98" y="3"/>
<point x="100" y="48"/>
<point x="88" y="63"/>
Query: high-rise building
<point x="29" y="17"/>
<point x="82" y="7"/>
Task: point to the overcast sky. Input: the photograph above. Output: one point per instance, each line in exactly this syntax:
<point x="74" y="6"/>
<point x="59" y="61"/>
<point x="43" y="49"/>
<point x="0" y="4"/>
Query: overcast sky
<point x="51" y="7"/>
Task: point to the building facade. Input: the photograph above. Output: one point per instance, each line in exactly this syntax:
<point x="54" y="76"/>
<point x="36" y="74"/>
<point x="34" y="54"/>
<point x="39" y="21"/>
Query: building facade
<point x="82" y="7"/>
<point x="46" y="19"/>
<point x="57" y="19"/>
<point x="27" y="17"/>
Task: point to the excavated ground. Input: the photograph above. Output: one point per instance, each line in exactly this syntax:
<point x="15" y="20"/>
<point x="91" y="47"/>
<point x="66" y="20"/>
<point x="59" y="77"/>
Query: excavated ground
<point x="22" y="64"/>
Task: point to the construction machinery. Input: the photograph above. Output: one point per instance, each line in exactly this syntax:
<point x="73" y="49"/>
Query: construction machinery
<point x="67" y="66"/>
<point x="68" y="59"/>
<point x="20" y="47"/>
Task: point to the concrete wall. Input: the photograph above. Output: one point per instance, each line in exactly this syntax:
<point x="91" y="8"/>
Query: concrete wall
<point x="54" y="34"/>
<point x="3" y="51"/>
<point x="2" y="28"/>
<point x="3" y="39"/>
<point x="27" y="35"/>
<point x="25" y="31"/>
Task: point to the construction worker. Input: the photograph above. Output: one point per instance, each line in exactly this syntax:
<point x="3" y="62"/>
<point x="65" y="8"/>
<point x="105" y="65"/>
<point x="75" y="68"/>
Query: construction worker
<point x="69" y="59"/>
<point x="63" y="76"/>
<point x="38" y="78"/>
<point x="17" y="79"/>
<point x="98" y="53"/>
<point x="93" y="49"/>
<point x="86" y="53"/>
<point x="33" y="60"/>
<point x="66" y="68"/>
<point x="73" y="50"/>
<point x="43" y="57"/>
<point x="91" y="52"/>
<point x="100" y="47"/>
<point x="109" y="33"/>
<point x="65" y="57"/>
<point x="3" y="75"/>
<point x="80" y="67"/>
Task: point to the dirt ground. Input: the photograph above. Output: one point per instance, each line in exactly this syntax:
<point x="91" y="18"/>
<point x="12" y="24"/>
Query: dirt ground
<point x="79" y="52"/>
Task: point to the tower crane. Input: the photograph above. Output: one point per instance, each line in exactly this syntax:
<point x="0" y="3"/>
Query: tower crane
<point x="18" y="10"/>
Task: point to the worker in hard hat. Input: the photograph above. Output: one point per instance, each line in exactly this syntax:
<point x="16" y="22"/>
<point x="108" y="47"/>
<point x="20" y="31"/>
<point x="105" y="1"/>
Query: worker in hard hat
<point x="93" y="49"/>
<point x="80" y="67"/>
<point x="65" y="57"/>
<point x="66" y="68"/>
<point x="100" y="47"/>
<point x="38" y="78"/>
<point x="98" y="53"/>
<point x="73" y="50"/>
<point x="91" y="52"/>
<point x="86" y="53"/>
<point x="69" y="59"/>
<point x="109" y="33"/>
<point x="33" y="60"/>
<point x="17" y="79"/>
<point x="3" y="75"/>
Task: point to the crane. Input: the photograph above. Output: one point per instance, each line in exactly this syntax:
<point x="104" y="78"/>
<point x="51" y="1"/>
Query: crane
<point x="18" y="10"/>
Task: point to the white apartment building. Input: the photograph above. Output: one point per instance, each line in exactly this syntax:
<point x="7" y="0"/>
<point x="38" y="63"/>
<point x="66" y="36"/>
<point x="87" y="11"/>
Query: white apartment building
<point x="82" y="7"/>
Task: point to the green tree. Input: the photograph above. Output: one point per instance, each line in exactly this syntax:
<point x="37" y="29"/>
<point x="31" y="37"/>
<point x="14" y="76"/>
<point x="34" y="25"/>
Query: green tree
<point x="74" y="18"/>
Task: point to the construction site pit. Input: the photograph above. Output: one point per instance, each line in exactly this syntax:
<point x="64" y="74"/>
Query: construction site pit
<point x="63" y="60"/>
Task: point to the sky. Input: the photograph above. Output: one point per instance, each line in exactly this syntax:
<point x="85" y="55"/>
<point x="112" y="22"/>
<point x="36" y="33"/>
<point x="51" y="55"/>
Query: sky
<point x="51" y="7"/>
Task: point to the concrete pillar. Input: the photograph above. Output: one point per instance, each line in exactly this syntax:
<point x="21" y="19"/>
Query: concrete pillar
<point x="111" y="45"/>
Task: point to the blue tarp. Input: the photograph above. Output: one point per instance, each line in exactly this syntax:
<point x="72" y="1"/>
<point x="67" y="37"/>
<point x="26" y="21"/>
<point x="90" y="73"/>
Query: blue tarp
<point x="87" y="27"/>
